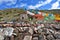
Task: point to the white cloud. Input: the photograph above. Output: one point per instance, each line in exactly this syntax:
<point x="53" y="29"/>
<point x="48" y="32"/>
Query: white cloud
<point x="58" y="0"/>
<point x="21" y="5"/>
<point x="11" y="1"/>
<point x="55" y="5"/>
<point x="39" y="4"/>
<point x="31" y="7"/>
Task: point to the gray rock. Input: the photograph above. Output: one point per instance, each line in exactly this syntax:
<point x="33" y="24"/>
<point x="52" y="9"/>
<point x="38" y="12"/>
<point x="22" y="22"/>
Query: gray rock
<point x="50" y="37"/>
<point x="41" y="37"/>
<point x="57" y="39"/>
<point x="35" y="38"/>
<point x="57" y="36"/>
<point x="57" y="26"/>
<point x="1" y="36"/>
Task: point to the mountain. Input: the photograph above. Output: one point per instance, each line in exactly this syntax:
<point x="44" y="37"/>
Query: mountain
<point x="52" y="11"/>
<point x="14" y="13"/>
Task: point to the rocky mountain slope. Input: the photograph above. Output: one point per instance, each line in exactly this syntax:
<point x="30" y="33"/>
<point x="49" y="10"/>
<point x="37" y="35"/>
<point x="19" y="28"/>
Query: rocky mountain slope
<point x="13" y="14"/>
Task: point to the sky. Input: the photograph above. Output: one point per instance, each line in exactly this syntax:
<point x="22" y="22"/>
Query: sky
<point x="30" y="4"/>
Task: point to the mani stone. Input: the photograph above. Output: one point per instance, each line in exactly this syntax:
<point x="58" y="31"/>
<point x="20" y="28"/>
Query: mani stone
<point x="27" y="37"/>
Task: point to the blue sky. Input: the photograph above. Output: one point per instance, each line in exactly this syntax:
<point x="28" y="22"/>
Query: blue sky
<point x="30" y="4"/>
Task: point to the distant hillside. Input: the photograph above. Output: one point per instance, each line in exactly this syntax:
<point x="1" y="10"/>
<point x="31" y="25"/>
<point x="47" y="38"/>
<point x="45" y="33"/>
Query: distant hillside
<point x="13" y="14"/>
<point x="10" y="14"/>
<point x="52" y="11"/>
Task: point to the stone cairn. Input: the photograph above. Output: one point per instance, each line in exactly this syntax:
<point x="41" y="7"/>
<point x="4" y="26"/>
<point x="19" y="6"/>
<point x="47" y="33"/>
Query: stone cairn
<point x="46" y="31"/>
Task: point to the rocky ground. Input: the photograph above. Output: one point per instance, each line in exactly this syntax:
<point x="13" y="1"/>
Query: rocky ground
<point x="44" y="32"/>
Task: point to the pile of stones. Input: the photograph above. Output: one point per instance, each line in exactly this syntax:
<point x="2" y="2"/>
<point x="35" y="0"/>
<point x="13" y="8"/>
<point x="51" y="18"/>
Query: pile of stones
<point x="44" y="32"/>
<point x="50" y="32"/>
